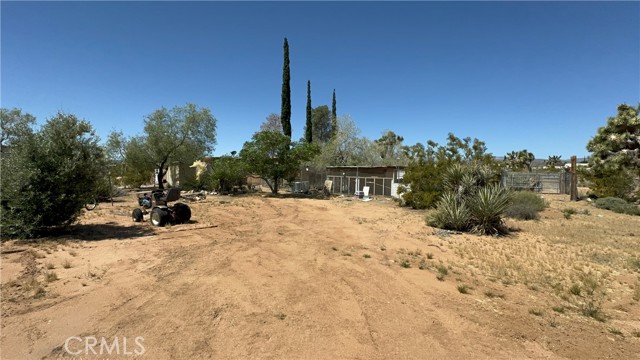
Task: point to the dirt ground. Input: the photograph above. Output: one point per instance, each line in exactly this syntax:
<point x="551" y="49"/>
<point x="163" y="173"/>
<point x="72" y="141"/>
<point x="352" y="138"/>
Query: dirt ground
<point x="299" y="278"/>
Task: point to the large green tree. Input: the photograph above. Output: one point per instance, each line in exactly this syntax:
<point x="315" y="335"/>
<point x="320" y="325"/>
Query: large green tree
<point x="347" y="148"/>
<point x="273" y="156"/>
<point x="615" y="161"/>
<point x="115" y="152"/>
<point x="519" y="160"/>
<point x="285" y="112"/>
<point x="14" y="124"/>
<point x="182" y="134"/>
<point x="308" y="129"/>
<point x="389" y="145"/>
<point x="321" y="120"/>
<point x="617" y="145"/>
<point x="272" y="123"/>
<point x="138" y="164"/>
<point x="554" y="160"/>
<point x="48" y="175"/>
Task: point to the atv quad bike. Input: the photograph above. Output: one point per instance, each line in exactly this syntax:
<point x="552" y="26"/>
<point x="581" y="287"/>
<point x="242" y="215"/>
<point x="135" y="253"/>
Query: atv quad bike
<point x="156" y="206"/>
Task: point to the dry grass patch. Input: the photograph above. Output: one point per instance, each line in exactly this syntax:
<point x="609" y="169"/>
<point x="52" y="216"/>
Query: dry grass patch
<point x="50" y="276"/>
<point x="579" y="260"/>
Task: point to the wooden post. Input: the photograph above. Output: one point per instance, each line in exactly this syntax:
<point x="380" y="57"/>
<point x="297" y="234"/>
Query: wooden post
<point x="110" y="189"/>
<point x="574" y="180"/>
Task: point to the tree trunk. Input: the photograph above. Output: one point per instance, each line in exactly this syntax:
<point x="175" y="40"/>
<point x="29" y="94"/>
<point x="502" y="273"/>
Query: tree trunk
<point x="268" y="184"/>
<point x="160" y="176"/>
<point x="274" y="189"/>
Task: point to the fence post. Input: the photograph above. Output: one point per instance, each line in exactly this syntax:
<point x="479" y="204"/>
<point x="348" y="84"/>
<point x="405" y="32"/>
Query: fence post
<point x="574" y="180"/>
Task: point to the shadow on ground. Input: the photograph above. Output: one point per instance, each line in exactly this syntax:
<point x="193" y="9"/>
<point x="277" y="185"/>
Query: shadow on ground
<point x="317" y="196"/>
<point x="111" y="230"/>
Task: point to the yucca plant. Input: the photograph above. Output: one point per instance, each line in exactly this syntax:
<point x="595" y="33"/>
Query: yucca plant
<point x="487" y="206"/>
<point x="470" y="201"/>
<point x="450" y="214"/>
<point x="452" y="177"/>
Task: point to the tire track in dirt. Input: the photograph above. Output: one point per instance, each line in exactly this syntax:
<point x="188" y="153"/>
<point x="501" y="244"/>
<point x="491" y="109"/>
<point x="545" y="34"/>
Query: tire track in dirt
<point x="258" y="277"/>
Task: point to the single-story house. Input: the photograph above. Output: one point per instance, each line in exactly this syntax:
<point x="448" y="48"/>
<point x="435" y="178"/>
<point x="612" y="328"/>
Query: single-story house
<point x="180" y="173"/>
<point x="381" y="180"/>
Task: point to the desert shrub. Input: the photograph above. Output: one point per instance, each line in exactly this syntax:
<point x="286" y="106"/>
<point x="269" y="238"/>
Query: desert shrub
<point x="471" y="202"/>
<point x="487" y="206"/>
<point x="197" y="184"/>
<point x="450" y="214"/>
<point x="103" y="190"/>
<point x="617" y="205"/>
<point x="418" y="199"/>
<point x="525" y="205"/>
<point x="227" y="172"/>
<point x="48" y="175"/>
<point x="522" y="212"/>
<point x="610" y="203"/>
<point x="423" y="182"/>
<point x="610" y="183"/>
<point x="568" y="212"/>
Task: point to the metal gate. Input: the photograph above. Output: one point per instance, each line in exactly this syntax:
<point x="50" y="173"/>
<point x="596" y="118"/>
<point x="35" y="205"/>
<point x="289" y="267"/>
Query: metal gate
<point x="542" y="182"/>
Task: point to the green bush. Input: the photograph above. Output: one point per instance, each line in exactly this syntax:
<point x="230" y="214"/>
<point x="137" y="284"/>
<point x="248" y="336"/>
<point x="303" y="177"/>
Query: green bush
<point x="227" y="172"/>
<point x="422" y="185"/>
<point x="617" y="205"/>
<point x="196" y="184"/>
<point x="525" y="205"/>
<point x="617" y="183"/>
<point x="47" y="176"/>
<point x="522" y="212"/>
<point x="418" y="199"/>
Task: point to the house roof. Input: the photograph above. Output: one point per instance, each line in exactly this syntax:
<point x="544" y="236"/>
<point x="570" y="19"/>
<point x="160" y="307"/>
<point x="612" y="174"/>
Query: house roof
<point x="366" y="167"/>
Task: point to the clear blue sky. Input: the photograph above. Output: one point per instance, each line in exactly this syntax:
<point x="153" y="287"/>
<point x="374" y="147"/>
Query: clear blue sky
<point x="536" y="75"/>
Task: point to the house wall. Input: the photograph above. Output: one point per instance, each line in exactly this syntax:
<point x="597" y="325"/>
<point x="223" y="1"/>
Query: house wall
<point x="348" y="180"/>
<point x="180" y="174"/>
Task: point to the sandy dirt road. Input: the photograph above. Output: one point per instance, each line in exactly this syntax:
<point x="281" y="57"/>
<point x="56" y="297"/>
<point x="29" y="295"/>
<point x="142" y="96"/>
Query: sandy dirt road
<point x="278" y="278"/>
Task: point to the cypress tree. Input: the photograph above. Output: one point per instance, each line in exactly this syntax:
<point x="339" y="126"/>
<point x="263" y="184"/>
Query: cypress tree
<point x="308" y="131"/>
<point x="334" y="116"/>
<point x="285" y="112"/>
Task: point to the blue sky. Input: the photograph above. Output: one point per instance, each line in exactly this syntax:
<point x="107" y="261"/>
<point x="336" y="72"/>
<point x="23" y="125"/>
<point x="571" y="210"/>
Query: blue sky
<point x="536" y="75"/>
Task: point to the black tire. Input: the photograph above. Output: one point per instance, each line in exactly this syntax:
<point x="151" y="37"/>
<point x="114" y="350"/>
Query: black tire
<point x="136" y="215"/>
<point x="159" y="217"/>
<point x="181" y="213"/>
<point x="91" y="204"/>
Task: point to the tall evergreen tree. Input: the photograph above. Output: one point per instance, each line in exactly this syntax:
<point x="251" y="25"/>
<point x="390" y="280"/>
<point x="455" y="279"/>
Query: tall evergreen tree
<point x="321" y="120"/>
<point x="334" y="116"/>
<point x="308" y="130"/>
<point x="285" y="113"/>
